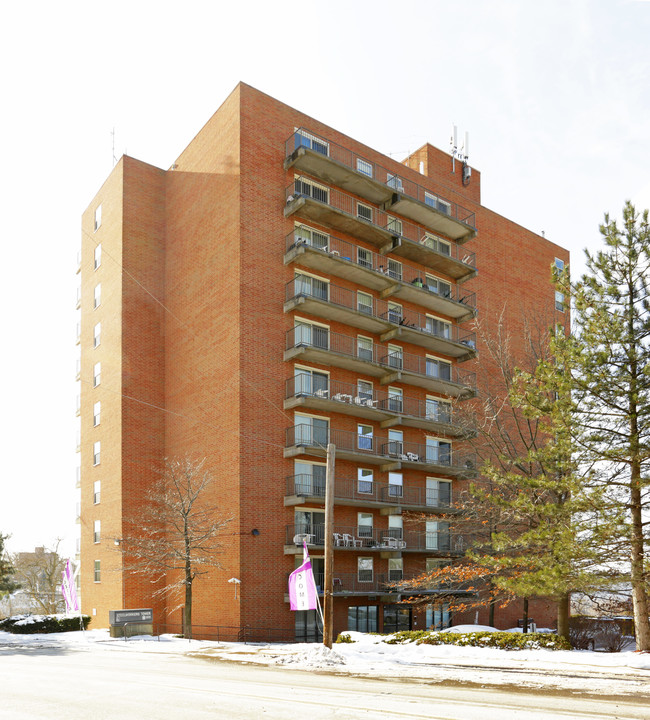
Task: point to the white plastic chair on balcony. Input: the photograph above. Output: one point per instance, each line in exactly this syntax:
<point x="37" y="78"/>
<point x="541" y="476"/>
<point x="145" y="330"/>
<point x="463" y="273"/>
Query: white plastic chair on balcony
<point x="351" y="541"/>
<point x="299" y="538"/>
<point x="339" y="541"/>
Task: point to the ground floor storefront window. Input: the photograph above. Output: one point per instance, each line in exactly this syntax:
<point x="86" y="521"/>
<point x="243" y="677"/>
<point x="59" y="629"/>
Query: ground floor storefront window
<point x="308" y="626"/>
<point x="396" y="618"/>
<point x="362" y="618"/>
<point x="438" y="617"/>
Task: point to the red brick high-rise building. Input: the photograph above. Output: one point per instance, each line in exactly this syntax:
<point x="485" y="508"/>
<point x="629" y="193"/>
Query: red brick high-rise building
<point x="281" y="286"/>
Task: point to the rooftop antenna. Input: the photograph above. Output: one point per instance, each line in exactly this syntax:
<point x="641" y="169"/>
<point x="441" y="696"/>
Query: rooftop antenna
<point x="462" y="154"/>
<point x="113" y="135"/>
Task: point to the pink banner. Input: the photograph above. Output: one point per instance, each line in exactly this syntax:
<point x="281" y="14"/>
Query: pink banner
<point x="302" y="588"/>
<point x="69" y="589"/>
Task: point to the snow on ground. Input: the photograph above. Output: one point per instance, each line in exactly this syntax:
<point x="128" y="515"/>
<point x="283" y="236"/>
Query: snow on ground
<point x="577" y="671"/>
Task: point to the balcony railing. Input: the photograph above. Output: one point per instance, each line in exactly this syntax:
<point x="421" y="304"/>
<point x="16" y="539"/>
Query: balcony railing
<point x="368" y="491"/>
<point x="367" y="169"/>
<point x="380" y="316"/>
<point x="372" y="447"/>
<point x="404" y="279"/>
<point x="367" y="402"/>
<point x="320" y="339"/>
<point x="365" y="538"/>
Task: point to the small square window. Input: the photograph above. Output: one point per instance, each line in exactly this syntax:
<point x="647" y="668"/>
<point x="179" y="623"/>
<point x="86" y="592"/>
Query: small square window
<point x="97" y="407"/>
<point x="98" y="217"/>
<point x="97" y="446"/>
<point x="98" y="571"/>
<point x="98" y="295"/>
<point x="98" y="256"/>
<point x="97" y="334"/>
<point x="559" y="264"/>
<point x="97" y="374"/>
<point x="365" y="168"/>
<point x="364" y="212"/>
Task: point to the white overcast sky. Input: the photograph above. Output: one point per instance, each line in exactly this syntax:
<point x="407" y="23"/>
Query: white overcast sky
<point x="555" y="96"/>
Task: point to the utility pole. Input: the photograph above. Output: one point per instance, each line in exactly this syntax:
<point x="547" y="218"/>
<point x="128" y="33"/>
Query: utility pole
<point x="328" y="599"/>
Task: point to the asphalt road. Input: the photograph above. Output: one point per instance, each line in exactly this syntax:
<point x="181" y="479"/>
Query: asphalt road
<point x="112" y="684"/>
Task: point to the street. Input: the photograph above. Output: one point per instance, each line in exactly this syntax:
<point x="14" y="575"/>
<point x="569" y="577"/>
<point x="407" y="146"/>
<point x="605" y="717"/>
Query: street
<point x="113" y="683"/>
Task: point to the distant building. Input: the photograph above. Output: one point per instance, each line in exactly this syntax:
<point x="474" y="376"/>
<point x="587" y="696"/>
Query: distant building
<point x="281" y="286"/>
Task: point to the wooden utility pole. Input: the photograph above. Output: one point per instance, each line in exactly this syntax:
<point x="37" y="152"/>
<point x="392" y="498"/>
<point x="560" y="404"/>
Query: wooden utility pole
<point x="328" y="598"/>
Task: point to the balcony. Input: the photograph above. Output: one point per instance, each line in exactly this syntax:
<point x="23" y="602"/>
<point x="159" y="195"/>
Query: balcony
<point x="304" y="488"/>
<point x="388" y="454"/>
<point x="324" y="347"/>
<point x="379" y="317"/>
<point x="331" y="255"/>
<point x="390" y="541"/>
<point x="389" y="410"/>
<point x="339" y="166"/>
<point x="333" y="208"/>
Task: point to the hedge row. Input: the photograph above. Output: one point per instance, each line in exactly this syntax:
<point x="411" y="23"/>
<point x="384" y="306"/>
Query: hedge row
<point x="32" y="624"/>
<point x="502" y="640"/>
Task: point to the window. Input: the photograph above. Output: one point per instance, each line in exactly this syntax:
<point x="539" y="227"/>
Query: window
<point x="97" y="492"/>
<point x="559" y="301"/>
<point x="394" y="313"/>
<point x="309" y="478"/>
<point x="438" y="368"/>
<point x="438" y="410"/>
<point x="364" y="302"/>
<point x="363" y="618"/>
<point x="97" y="334"/>
<point x="305" y="139"/>
<point x="438" y="451"/>
<point x="311" y="522"/>
<point x="364" y="479"/>
<point x="364" y="525"/>
<point x="440" y="287"/>
<point x="311" y="430"/>
<point x="364" y="257"/>
<point x="364" y="437"/>
<point x="395" y="357"/>
<point x="98" y="295"/>
<point x="395" y="527"/>
<point x="395" y="489"/>
<point x="312" y="335"/>
<point x="395" y="442"/>
<point x="438" y="617"/>
<point x="437" y="203"/>
<point x="559" y="264"/>
<point x="395" y="269"/>
<point x="97" y="374"/>
<point x="395" y="182"/>
<point x="364" y="212"/>
<point x="97" y="531"/>
<point x="395" y="403"/>
<point x="438" y="492"/>
<point x="97" y="446"/>
<point x="394" y="225"/>
<point x="364" y="391"/>
<point x="438" y="244"/>
<point x="364" y="167"/>
<point x="310" y="382"/>
<point x="364" y="569"/>
<point x="97" y="408"/>
<point x="364" y="348"/>
<point x="98" y="217"/>
<point x="438" y="327"/>
<point x="311" y="286"/>
<point x="437" y="535"/>
<point x="98" y="571"/>
<point x="312" y="190"/>
<point x="395" y="569"/>
<point x="304" y="234"/>
<point x="98" y="256"/>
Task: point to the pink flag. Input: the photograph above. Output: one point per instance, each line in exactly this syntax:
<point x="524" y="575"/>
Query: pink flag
<point x="69" y="589"/>
<point x="302" y="588"/>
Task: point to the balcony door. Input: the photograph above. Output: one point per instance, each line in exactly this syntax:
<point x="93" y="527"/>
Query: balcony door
<point x="311" y="522"/>
<point x="312" y="430"/>
<point x="311" y="382"/>
<point x="309" y="479"/>
<point x="311" y="335"/>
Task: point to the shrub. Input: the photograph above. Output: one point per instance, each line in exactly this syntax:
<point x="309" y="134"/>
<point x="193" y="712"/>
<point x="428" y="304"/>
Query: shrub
<point x="344" y="638"/>
<point x="33" y="624"/>
<point x="502" y="640"/>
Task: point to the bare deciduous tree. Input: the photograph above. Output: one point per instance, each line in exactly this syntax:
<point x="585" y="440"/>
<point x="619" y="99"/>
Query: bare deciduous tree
<point x="174" y="538"/>
<point x="39" y="576"/>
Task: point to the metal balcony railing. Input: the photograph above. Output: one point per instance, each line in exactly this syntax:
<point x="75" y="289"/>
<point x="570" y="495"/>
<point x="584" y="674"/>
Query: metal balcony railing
<point x="365" y="538"/>
<point x="388" y="225"/>
<point x="372" y="445"/>
<point x="324" y="388"/>
<point x="394" y="270"/>
<point x="348" y="346"/>
<point x="380" y="310"/>
<point x="305" y="138"/>
<point x="364" y="491"/>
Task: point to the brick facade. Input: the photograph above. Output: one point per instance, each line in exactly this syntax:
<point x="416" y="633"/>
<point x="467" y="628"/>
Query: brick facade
<point x="194" y="347"/>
